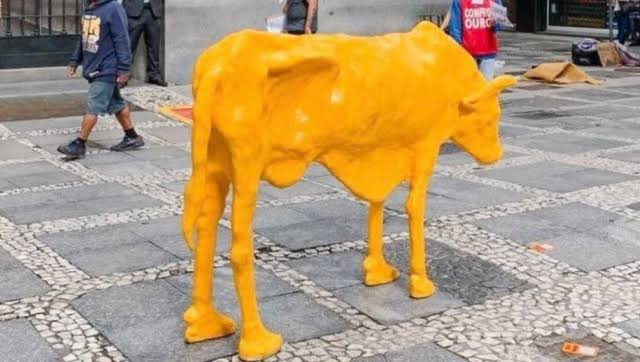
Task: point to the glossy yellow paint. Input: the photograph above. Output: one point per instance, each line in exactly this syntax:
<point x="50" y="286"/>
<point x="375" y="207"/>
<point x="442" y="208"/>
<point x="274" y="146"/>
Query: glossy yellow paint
<point x="373" y="110"/>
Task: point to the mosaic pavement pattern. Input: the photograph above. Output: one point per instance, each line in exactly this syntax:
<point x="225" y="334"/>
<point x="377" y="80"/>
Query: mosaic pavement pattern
<point x="93" y="267"/>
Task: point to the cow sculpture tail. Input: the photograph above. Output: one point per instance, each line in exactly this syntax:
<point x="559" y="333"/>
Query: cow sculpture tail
<point x="196" y="189"/>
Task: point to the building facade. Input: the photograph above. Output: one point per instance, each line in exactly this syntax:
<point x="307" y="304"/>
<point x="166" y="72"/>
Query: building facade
<point x="561" y="15"/>
<point x="35" y="33"/>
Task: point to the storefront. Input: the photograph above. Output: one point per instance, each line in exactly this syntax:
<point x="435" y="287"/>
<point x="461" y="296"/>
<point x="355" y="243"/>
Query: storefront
<point x="574" y="16"/>
<point x="568" y="14"/>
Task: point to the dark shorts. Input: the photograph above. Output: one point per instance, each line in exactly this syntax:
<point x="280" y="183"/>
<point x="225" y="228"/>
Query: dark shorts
<point x="104" y="98"/>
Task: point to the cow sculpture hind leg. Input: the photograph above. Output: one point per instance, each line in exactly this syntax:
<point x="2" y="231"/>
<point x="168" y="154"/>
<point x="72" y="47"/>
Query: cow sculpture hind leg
<point x="375" y="269"/>
<point x="256" y="342"/>
<point x="202" y="319"/>
<point x="419" y="284"/>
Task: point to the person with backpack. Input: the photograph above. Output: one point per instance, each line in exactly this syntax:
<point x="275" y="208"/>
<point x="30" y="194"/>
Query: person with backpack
<point x="471" y="24"/>
<point x="105" y="54"/>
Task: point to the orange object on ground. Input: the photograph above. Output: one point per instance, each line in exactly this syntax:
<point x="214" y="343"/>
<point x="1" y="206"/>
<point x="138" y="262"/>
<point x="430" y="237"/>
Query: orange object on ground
<point x="540" y="247"/>
<point x="179" y="113"/>
<point x="580" y="350"/>
<point x="373" y="110"/>
<point x="561" y="72"/>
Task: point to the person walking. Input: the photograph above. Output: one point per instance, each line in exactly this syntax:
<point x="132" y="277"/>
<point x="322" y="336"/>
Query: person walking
<point x="301" y="16"/>
<point x="105" y="56"/>
<point x="145" y="17"/>
<point x="623" y="17"/>
<point x="471" y="25"/>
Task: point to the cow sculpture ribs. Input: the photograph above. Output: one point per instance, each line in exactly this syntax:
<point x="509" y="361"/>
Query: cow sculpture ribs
<point x="373" y="110"/>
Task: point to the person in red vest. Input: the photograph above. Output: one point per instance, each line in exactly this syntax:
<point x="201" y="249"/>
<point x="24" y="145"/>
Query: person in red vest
<point x="471" y="24"/>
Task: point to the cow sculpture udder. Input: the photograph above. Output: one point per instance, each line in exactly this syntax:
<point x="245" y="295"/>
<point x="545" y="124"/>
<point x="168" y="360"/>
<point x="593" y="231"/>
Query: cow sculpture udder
<point x="373" y="110"/>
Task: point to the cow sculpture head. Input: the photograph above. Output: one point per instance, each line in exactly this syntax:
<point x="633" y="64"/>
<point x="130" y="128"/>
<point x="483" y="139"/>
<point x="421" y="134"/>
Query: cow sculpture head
<point x="477" y="129"/>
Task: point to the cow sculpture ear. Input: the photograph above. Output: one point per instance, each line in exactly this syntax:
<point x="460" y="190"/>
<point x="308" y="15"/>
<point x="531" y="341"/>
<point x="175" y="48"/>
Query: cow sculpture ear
<point x="492" y="89"/>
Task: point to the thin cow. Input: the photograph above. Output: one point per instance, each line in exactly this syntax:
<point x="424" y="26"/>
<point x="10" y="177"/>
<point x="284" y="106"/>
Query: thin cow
<point x="373" y="110"/>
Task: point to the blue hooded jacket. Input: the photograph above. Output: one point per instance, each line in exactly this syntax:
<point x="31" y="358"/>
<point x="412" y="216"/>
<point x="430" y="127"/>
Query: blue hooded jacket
<point x="104" y="49"/>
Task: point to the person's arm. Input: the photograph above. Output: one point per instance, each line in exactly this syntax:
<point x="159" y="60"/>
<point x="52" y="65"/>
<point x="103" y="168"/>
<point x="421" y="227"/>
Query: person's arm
<point x="76" y="58"/>
<point x="446" y="20"/>
<point x="455" y="24"/>
<point x="312" y="6"/>
<point x="120" y="35"/>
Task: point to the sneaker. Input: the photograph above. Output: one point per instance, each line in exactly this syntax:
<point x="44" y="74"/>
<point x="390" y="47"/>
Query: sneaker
<point x="73" y="149"/>
<point x="128" y="144"/>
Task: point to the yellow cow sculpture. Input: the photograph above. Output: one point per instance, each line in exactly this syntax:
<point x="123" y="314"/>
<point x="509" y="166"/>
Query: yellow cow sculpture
<point x="373" y="110"/>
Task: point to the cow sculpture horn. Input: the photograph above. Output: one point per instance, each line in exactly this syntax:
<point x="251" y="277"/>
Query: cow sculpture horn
<point x="491" y="89"/>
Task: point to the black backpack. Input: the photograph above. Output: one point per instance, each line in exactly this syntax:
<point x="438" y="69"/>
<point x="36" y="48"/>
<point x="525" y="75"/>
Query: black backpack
<point x="585" y="52"/>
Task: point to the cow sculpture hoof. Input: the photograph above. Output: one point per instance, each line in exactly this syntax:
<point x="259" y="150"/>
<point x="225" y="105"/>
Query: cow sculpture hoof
<point x="258" y="344"/>
<point x="421" y="287"/>
<point x="378" y="272"/>
<point x="204" y="323"/>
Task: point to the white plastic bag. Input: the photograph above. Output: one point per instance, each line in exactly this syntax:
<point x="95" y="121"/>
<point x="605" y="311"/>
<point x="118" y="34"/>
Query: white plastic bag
<point x="275" y="24"/>
<point x="500" y="15"/>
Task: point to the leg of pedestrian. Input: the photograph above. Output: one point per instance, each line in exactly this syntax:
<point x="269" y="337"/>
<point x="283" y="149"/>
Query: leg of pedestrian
<point x="152" y="34"/>
<point x="131" y="140"/>
<point x="98" y="102"/>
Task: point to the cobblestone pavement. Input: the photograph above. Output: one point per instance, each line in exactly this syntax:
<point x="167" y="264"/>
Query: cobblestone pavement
<point x="93" y="267"/>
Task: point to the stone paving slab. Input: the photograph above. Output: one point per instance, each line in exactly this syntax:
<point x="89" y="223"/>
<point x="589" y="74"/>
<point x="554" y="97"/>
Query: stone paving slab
<point x="447" y="196"/>
<point x="34" y="174"/>
<point x="538" y="102"/>
<point x="596" y="94"/>
<point x="166" y="234"/>
<point x="583" y="236"/>
<point x="16" y="281"/>
<point x="554" y="176"/>
<point x="323" y="223"/>
<point x="104" y="254"/>
<point x="77" y="201"/>
<point x="146" y="329"/>
<point x="426" y="352"/>
<point x="391" y="304"/>
<point x="21" y="343"/>
<point x="631" y="326"/>
<point x="172" y="134"/>
<point x="461" y="275"/>
<point x="609" y="112"/>
<point x="563" y="143"/>
<point x="11" y="149"/>
<point x="565" y="122"/>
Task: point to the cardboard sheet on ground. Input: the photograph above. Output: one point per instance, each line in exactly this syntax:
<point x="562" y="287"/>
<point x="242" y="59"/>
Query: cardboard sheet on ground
<point x="561" y="73"/>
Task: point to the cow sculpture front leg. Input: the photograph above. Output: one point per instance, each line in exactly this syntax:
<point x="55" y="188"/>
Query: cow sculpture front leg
<point x="256" y="342"/>
<point x="419" y="284"/>
<point x="202" y="319"/>
<point x="375" y="269"/>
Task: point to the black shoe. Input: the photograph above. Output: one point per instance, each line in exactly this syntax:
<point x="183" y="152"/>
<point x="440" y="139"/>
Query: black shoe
<point x="73" y="150"/>
<point x="128" y="144"/>
<point x="158" y="81"/>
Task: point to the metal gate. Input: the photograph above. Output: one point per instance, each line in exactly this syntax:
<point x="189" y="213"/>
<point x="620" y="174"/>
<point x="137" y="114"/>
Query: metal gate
<point x="37" y="33"/>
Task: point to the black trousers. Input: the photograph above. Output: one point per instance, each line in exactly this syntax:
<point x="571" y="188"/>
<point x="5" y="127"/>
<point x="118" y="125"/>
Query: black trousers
<point x="152" y="28"/>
